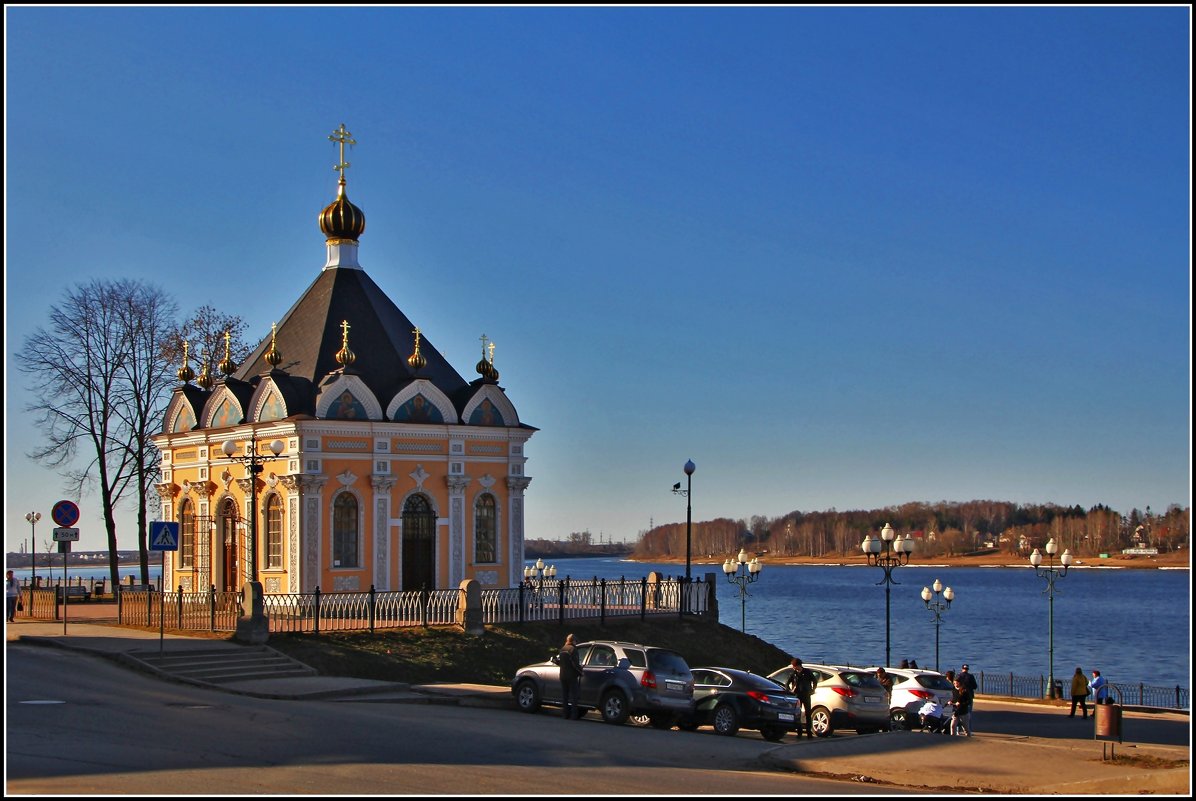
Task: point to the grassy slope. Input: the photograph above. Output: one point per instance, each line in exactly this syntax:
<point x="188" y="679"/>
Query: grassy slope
<point x="448" y="655"/>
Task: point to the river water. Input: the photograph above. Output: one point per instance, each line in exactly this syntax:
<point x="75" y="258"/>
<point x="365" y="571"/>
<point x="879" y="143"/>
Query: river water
<point x="1133" y="625"/>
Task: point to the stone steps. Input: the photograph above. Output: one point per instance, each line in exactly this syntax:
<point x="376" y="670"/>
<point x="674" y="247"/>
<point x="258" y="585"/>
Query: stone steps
<point x="223" y="665"/>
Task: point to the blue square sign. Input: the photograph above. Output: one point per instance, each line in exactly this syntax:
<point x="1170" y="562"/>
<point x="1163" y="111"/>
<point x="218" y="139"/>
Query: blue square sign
<point x="163" y="536"/>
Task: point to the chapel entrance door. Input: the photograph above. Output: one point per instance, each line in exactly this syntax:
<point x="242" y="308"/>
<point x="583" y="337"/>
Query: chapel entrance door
<point x="419" y="544"/>
<point x="228" y="548"/>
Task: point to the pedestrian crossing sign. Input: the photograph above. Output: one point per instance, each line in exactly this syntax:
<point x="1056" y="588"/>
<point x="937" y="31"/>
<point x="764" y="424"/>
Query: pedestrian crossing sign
<point x="163" y="536"/>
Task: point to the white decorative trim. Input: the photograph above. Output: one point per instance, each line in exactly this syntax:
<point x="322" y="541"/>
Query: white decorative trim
<point x="422" y="386"/>
<point x="498" y="398"/>
<point x="419" y="475"/>
<point x="353" y="385"/>
<point x="347" y="478"/>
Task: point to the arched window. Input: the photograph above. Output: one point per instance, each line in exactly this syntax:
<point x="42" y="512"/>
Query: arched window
<point x="186" y="534"/>
<point x="485" y="530"/>
<point x="274" y="532"/>
<point x="344" y="531"/>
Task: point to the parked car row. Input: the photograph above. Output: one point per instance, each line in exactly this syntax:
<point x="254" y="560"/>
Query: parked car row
<point x="655" y="686"/>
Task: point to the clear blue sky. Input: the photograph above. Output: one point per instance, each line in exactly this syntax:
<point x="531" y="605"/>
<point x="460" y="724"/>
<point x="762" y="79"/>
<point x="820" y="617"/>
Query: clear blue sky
<point x="839" y="257"/>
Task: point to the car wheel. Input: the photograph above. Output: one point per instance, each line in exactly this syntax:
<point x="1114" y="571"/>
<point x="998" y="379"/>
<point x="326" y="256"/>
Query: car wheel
<point x="726" y="720"/>
<point x="661" y="721"/>
<point x="899" y="720"/>
<point x="615" y="707"/>
<point x="527" y="697"/>
<point x="820" y="722"/>
<point x="639" y="720"/>
<point x="774" y="734"/>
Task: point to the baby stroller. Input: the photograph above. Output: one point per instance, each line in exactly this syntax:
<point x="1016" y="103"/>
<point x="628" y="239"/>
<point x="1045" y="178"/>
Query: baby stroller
<point x="932" y="719"/>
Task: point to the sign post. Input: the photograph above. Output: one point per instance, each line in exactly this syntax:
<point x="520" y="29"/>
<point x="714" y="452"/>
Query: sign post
<point x="64" y="536"/>
<point x="163" y="536"/>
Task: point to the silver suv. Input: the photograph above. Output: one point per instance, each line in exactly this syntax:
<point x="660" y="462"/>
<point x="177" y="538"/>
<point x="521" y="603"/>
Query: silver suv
<point x="845" y="698"/>
<point x="913" y="687"/>
<point x="619" y="679"/>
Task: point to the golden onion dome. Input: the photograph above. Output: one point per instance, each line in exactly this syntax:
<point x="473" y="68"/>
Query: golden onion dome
<point x="341" y="220"/>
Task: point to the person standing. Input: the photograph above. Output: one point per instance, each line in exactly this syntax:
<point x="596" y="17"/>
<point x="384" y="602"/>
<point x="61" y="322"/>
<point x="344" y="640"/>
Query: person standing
<point x="12" y="593"/>
<point x="570" y="672"/>
<point x="802" y="682"/>
<point x="1079" y="693"/>
<point x="969" y="680"/>
<point x="961" y="702"/>
<point x="1099" y="688"/>
<point x="886" y="681"/>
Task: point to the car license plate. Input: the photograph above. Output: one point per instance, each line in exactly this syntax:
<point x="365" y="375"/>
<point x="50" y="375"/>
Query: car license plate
<point x="784" y="716"/>
<point x="674" y="686"/>
<point x="871" y="699"/>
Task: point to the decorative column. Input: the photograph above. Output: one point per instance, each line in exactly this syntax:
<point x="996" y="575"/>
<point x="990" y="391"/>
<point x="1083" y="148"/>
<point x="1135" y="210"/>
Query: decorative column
<point x="515" y="487"/>
<point x="456" y="566"/>
<point x="382" y="484"/>
<point x="311" y="493"/>
<point x="293" y="487"/>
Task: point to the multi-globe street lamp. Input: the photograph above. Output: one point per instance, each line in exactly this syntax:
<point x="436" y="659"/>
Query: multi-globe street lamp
<point x="888" y="551"/>
<point x="742" y="573"/>
<point x="32" y="517"/>
<point x="1051" y="574"/>
<point x="938" y="607"/>
<point x="253" y="467"/>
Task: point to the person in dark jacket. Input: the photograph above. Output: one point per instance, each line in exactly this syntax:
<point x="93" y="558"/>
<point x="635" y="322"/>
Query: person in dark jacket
<point x="802" y="682"/>
<point x="1079" y="692"/>
<point x="570" y="671"/>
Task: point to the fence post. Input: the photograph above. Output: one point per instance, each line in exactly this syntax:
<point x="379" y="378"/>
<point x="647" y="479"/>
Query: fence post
<point x="212" y="605"/>
<point x="120" y="605"/>
<point x="317" y="610"/>
<point x="180" y="607"/>
<point x="602" y="602"/>
<point x="149" y="607"/>
<point x="522" y="605"/>
<point x="560" y="588"/>
<point x="644" y="598"/>
<point x="423" y="602"/>
<point x="373" y="600"/>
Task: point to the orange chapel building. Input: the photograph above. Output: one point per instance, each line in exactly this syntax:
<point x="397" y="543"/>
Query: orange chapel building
<point x="376" y="463"/>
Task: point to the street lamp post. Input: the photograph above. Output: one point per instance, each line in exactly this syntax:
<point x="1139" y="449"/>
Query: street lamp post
<point x="32" y="517"/>
<point x="253" y="467"/>
<point x="888" y="551"/>
<point x="742" y="572"/>
<point x="539" y="572"/>
<point x="689" y="478"/>
<point x="938" y="607"/>
<point x="252" y="627"/>
<point x="1051" y="574"/>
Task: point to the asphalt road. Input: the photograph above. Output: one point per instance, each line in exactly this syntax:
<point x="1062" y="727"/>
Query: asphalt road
<point x="78" y="725"/>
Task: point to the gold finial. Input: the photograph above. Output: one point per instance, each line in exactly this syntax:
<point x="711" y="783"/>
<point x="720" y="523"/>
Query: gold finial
<point x="416" y="360"/>
<point x="342" y="136"/>
<point x="185" y="372"/>
<point x="485" y="367"/>
<point x="227" y="365"/>
<point x="205" y="379"/>
<point x="273" y="357"/>
<point x="344" y="356"/>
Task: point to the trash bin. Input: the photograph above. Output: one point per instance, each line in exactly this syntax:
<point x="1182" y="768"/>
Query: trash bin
<point x="1108" y="720"/>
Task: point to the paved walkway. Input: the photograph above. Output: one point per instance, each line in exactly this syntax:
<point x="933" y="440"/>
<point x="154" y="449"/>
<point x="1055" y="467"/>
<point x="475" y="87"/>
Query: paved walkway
<point x="1036" y="760"/>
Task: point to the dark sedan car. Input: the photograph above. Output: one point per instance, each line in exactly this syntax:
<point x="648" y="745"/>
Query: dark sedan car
<point x="730" y="700"/>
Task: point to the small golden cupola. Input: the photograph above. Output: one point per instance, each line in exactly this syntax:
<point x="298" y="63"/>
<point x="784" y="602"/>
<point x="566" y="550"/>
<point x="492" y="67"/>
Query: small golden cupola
<point x="185" y="373"/>
<point x="485" y="367"/>
<point x="417" y="361"/>
<point x="344" y="356"/>
<point x="273" y="357"/>
<point x="227" y="365"/>
<point x="341" y="222"/>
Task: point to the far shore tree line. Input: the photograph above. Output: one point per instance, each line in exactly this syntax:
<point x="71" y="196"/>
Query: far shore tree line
<point x="939" y="529"/>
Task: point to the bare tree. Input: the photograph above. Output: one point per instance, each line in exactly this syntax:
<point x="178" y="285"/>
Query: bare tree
<point x="204" y="332"/>
<point x="97" y="388"/>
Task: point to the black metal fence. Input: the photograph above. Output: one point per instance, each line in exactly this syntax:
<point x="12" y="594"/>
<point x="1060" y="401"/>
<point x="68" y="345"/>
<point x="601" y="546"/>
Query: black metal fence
<point x="1039" y="687"/>
<point x="551" y="599"/>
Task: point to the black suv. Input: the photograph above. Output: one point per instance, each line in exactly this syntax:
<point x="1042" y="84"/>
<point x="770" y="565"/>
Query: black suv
<point x="619" y="679"/>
